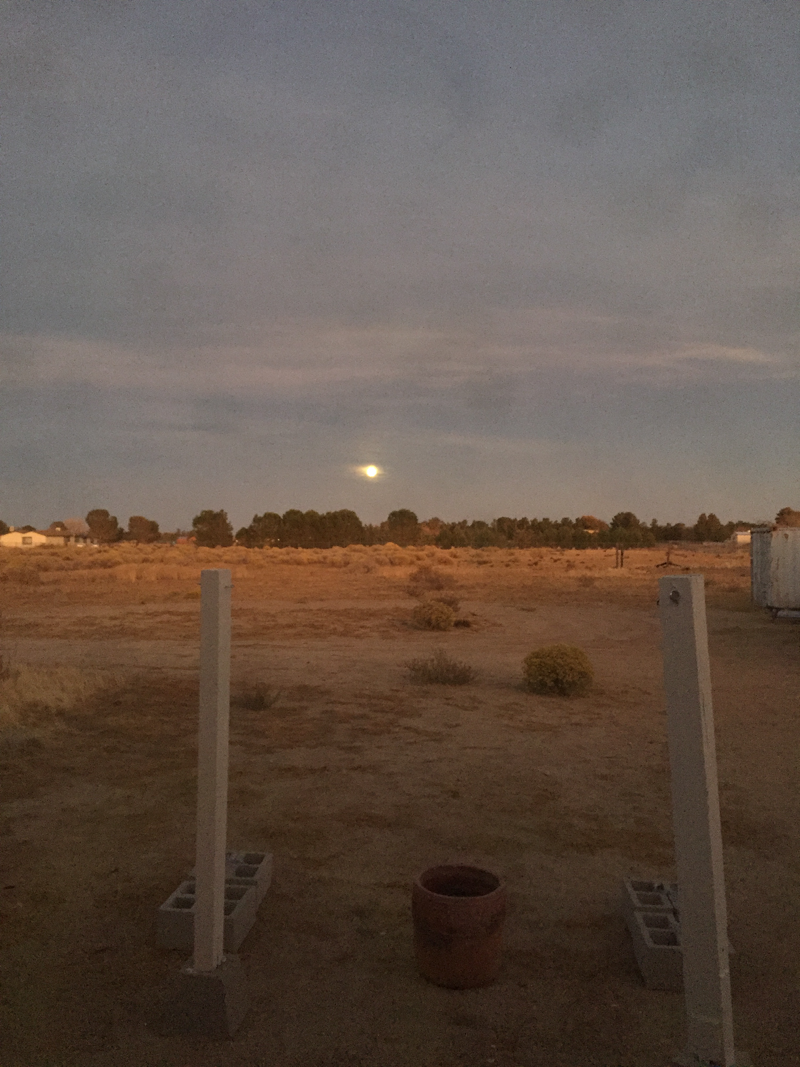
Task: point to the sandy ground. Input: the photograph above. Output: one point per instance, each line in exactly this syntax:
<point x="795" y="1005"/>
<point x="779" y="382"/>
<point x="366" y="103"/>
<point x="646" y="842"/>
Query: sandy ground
<point x="357" y="779"/>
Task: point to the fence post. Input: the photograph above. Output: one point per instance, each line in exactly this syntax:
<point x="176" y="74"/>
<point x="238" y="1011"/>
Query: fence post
<point x="211" y="997"/>
<point x="212" y="767"/>
<point x="696" y="821"/>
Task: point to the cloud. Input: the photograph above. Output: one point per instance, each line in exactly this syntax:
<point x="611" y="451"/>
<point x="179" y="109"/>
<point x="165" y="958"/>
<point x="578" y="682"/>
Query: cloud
<point x="722" y="353"/>
<point x="321" y="221"/>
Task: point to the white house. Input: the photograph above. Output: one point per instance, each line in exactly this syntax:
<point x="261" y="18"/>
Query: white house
<point x="23" y="539"/>
<point x="55" y="537"/>
<point x="741" y="537"/>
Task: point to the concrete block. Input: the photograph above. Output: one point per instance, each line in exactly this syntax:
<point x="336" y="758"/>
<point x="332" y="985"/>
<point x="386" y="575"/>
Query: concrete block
<point x="248" y="868"/>
<point x="176" y="916"/>
<point x="662" y="898"/>
<point x="207" y="1003"/>
<point x="657" y="946"/>
<point x="641" y="895"/>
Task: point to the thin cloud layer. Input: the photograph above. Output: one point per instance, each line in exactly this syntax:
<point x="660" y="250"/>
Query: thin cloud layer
<point x="438" y="213"/>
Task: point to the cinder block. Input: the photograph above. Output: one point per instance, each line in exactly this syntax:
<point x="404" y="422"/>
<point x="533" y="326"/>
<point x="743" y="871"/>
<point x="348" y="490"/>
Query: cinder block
<point x="657" y="945"/>
<point x="641" y="895"/>
<point x="671" y="889"/>
<point x="176" y="916"/>
<point x="657" y="898"/>
<point x="248" y="868"/>
<point x="207" y="1004"/>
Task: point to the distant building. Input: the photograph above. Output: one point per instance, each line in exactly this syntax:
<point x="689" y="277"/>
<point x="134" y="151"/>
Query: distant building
<point x="741" y="537"/>
<point x="23" y="539"/>
<point x="56" y="537"/>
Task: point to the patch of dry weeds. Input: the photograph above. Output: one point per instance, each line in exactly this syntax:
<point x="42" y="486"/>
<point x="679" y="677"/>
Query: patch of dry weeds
<point x="440" y="669"/>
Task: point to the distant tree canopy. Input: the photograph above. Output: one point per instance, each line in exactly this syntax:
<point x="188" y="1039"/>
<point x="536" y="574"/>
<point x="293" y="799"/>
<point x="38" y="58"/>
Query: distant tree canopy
<point x="264" y="530"/>
<point x="103" y="527"/>
<point x="143" y="531"/>
<point x="591" y="523"/>
<point x="303" y="529"/>
<point x="402" y="527"/>
<point x="3" y="528"/>
<point x="788" y="517"/>
<point x="211" y="529"/>
<point x="312" y="529"/>
<point x="709" y="528"/>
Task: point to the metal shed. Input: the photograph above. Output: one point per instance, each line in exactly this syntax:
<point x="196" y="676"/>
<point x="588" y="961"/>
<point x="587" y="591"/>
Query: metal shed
<point x="775" y="567"/>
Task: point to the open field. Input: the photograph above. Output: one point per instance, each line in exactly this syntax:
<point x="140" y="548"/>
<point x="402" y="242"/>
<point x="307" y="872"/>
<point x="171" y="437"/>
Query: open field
<point x="357" y="778"/>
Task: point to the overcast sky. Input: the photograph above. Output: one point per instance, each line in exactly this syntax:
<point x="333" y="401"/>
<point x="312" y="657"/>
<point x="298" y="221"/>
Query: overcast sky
<point x="528" y="258"/>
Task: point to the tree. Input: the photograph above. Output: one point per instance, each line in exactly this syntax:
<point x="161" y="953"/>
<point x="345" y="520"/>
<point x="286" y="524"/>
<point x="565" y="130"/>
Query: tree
<point x="341" y="528"/>
<point x="3" y="528"/>
<point x="264" y="530"/>
<point x="627" y="530"/>
<point x="77" y="526"/>
<point x="709" y="528"/>
<point x="505" y="527"/>
<point x="103" y="527"/>
<point x="591" y="523"/>
<point x="788" y="517"/>
<point x="625" y="520"/>
<point x="676" y="531"/>
<point x="212" y="530"/>
<point x="402" y="527"/>
<point x="452" y="535"/>
<point x="143" y="531"/>
<point x="293" y="528"/>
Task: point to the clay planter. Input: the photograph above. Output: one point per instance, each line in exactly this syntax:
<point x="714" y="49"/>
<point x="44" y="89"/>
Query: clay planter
<point x="458" y="917"/>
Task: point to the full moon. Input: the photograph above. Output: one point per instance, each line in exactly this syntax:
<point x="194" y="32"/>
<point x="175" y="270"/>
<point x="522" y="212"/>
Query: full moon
<point x="370" y="471"/>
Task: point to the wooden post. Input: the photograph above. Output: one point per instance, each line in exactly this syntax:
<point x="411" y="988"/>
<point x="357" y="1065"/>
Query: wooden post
<point x="696" y="821"/>
<point x="212" y="767"/>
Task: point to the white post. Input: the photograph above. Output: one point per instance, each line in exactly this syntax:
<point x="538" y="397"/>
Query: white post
<point x="212" y="767"/>
<point x="696" y="820"/>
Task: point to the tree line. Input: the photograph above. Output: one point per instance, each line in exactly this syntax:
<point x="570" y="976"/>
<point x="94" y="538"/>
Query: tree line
<point x="312" y="529"/>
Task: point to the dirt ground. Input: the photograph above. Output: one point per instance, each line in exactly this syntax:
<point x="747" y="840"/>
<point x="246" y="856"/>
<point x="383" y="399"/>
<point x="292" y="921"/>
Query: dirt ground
<point x="357" y="779"/>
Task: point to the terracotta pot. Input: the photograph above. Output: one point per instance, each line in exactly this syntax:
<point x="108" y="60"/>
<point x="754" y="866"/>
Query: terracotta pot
<point x="458" y="917"/>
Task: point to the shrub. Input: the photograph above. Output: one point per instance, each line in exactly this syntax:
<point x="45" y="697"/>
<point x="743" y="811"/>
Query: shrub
<point x="259" y="698"/>
<point x="451" y="601"/>
<point x="426" y="579"/>
<point x="433" y="615"/>
<point x="562" y="669"/>
<point x="440" y="669"/>
<point x="23" y="575"/>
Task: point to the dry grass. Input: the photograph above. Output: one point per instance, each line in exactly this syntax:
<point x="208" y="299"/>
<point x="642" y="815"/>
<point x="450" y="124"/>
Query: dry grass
<point x="433" y="615"/>
<point x="427" y="565"/>
<point x="363" y="761"/>
<point x="33" y="700"/>
<point x="440" y="669"/>
<point x="427" y="579"/>
<point x="129" y="574"/>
